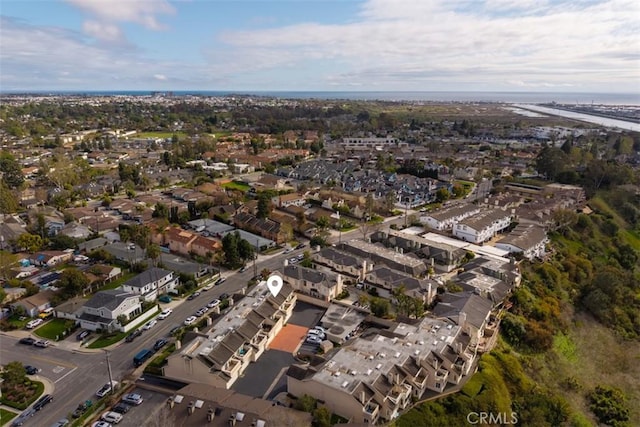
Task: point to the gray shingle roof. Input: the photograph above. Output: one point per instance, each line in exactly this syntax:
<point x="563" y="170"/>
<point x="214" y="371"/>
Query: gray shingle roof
<point x="109" y="299"/>
<point x="151" y="275"/>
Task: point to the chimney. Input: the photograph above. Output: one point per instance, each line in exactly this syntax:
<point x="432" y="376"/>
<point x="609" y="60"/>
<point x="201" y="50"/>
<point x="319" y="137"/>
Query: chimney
<point x="170" y="402"/>
<point x="362" y="397"/>
<point x="210" y="414"/>
<point x="232" y="420"/>
<point x="462" y="319"/>
<point x="191" y="408"/>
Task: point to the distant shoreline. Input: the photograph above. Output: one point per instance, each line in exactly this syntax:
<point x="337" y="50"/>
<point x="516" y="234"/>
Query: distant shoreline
<point x="571" y="98"/>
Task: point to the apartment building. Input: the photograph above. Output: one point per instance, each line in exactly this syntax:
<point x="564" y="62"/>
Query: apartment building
<point x="377" y="376"/>
<point x="483" y="226"/>
<point x="339" y="261"/>
<point x="528" y="239"/>
<point x="445" y="219"/>
<point x="408" y="264"/>
<point x="237" y="339"/>
<point x="318" y="284"/>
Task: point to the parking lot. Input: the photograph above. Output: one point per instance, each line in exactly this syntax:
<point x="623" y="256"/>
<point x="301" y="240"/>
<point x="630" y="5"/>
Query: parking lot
<point x="139" y="415"/>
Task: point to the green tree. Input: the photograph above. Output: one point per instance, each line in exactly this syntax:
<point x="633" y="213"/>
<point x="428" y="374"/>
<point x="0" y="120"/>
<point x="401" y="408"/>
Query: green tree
<point x="246" y="250"/>
<point x="11" y="170"/>
<point x="442" y="194"/>
<point x="230" y="249"/>
<point x="322" y="417"/>
<point x="29" y="242"/>
<point x="13" y="374"/>
<point x="8" y="199"/>
<point x="153" y="253"/>
<point x="62" y="242"/>
<point x="551" y="161"/>
<point x="264" y="205"/>
<point x="305" y="403"/>
<point x="161" y="211"/>
<point x="72" y="282"/>
<point x="609" y="405"/>
<point x="380" y="307"/>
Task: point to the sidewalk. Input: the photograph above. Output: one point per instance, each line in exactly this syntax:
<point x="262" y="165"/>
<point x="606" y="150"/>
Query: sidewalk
<point x="49" y="387"/>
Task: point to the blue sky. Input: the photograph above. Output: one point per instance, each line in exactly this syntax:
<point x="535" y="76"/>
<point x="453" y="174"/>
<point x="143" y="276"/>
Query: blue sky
<point x="330" y="45"/>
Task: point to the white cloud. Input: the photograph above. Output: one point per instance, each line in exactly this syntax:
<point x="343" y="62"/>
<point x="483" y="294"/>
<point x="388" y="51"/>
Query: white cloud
<point x="408" y="43"/>
<point x="160" y="77"/>
<point x="102" y="31"/>
<point x="142" y="12"/>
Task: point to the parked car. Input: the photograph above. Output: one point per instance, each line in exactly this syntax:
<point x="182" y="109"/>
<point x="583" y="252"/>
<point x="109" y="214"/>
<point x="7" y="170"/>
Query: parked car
<point x="165" y="313"/>
<point x="150" y="324"/>
<point x="244" y="268"/>
<point x="190" y="320"/>
<point x="201" y="312"/>
<point x="31" y="370"/>
<point x="42" y="402"/>
<point x="300" y="257"/>
<point x="220" y="280"/>
<point x="208" y="287"/>
<point x="293" y="260"/>
<point x="133" y="335"/>
<point x="159" y="344"/>
<point x="101" y="424"/>
<point x="82" y="408"/>
<point x="316" y="333"/>
<point x="34" y="323"/>
<point x="165" y="299"/>
<point x="133" y="399"/>
<point x="60" y="423"/>
<point x="288" y="250"/>
<point x="175" y="329"/>
<point x="193" y="295"/>
<point x="27" y="341"/>
<point x="106" y="389"/>
<point x="82" y="335"/>
<point x="111" y="417"/>
<point x="300" y="246"/>
<point x="214" y="303"/>
<point x="320" y="328"/>
<point x="313" y="339"/>
<point x="224" y="296"/>
<point x="42" y="343"/>
<point x="121" y="408"/>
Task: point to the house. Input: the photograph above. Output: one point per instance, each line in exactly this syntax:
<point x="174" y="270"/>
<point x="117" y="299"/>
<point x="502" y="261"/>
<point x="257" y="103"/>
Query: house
<point x="377" y="376"/>
<point x="101" y="311"/>
<point x="266" y="228"/>
<point x="285" y="200"/>
<point x="51" y="258"/>
<point x="152" y="283"/>
<point x="76" y="231"/>
<point x="388" y="280"/>
<point x="106" y="273"/>
<point x="378" y="254"/>
<point x="204" y="246"/>
<point x="36" y="303"/>
<point x="318" y="284"/>
<point x="179" y="240"/>
<point x="527" y="239"/>
<point x="239" y="338"/>
<point x="467" y="310"/>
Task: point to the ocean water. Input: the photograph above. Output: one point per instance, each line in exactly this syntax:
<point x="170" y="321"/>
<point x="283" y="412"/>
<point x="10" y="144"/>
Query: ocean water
<point x="503" y="97"/>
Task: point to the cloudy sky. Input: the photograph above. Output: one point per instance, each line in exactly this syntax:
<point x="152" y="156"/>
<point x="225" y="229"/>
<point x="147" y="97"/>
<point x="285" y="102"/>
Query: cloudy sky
<point x="329" y="45"/>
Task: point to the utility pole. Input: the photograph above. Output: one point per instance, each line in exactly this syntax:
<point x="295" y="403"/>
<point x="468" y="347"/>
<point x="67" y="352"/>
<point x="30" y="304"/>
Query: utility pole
<point x="255" y="256"/>
<point x="109" y="369"/>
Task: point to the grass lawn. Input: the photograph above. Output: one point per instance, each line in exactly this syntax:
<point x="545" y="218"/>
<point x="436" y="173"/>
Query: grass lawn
<point x="115" y="283"/>
<point x="234" y="185"/>
<point x="18" y="322"/>
<point x="181" y="135"/>
<point x="54" y="329"/>
<point x="107" y="340"/>
<point x="6" y="416"/>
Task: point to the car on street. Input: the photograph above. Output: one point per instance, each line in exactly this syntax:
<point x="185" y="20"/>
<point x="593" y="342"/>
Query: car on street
<point x="293" y="260"/>
<point x="121" y="408"/>
<point x="243" y="269"/>
<point x="82" y="335"/>
<point x="42" y="402"/>
<point x="101" y="424"/>
<point x="201" y="312"/>
<point x="31" y="370"/>
<point x="165" y="313"/>
<point x="193" y="295"/>
<point x="224" y="296"/>
<point x="42" y="343"/>
<point x="220" y="281"/>
<point x="175" y="329"/>
<point x="214" y="303"/>
<point x="288" y="250"/>
<point x="132" y="399"/>
<point x="159" y="344"/>
<point x="190" y="320"/>
<point x="60" y="423"/>
<point x="34" y="323"/>
<point x="111" y="417"/>
<point x="208" y="287"/>
<point x="133" y="335"/>
<point x="313" y="339"/>
<point x="150" y="324"/>
<point x="27" y="341"/>
<point x="300" y="246"/>
<point x="106" y="389"/>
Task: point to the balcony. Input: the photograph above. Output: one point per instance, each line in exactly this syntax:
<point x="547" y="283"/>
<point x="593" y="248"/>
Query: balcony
<point x="371" y="409"/>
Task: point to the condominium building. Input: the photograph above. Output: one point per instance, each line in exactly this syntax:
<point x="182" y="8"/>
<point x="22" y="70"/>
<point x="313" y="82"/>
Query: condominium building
<point x="237" y="339"/>
<point x="483" y="226"/>
<point x="377" y="376"/>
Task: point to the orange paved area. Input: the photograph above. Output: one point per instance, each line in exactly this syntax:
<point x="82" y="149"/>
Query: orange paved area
<point x="289" y="338"/>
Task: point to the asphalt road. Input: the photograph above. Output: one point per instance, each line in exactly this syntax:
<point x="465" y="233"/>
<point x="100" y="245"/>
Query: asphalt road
<point x="77" y="376"/>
